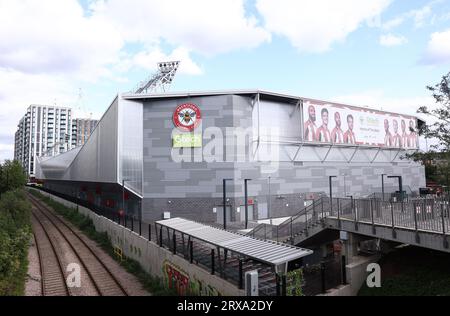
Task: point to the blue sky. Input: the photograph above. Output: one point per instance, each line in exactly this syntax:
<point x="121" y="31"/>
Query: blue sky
<point x="378" y="53"/>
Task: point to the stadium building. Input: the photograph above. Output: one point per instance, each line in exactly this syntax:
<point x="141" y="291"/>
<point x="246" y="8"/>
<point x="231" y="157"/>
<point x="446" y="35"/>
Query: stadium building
<point x="171" y="153"/>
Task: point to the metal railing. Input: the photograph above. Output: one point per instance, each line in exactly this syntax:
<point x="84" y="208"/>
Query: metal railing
<point x="419" y="214"/>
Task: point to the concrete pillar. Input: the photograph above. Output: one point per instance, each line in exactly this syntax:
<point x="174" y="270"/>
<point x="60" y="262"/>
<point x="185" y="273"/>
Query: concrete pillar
<point x="351" y="245"/>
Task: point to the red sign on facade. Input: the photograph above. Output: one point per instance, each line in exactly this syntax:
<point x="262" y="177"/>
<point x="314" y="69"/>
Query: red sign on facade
<point x="187" y="117"/>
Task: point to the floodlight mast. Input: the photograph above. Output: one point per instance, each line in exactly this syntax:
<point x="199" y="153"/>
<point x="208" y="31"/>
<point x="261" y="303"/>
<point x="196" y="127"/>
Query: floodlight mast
<point x="161" y="81"/>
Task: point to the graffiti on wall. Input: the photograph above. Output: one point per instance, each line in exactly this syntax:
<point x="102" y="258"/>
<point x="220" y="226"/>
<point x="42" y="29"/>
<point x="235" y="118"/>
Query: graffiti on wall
<point x="178" y="279"/>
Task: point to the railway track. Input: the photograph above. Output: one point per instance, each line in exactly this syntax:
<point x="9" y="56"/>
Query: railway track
<point x="52" y="270"/>
<point x="104" y="281"/>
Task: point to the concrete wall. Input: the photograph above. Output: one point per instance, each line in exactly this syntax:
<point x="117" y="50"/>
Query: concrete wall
<point x="158" y="261"/>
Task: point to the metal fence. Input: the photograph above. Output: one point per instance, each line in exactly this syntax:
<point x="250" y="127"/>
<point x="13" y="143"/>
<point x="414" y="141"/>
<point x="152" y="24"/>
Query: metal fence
<point x="420" y="214"/>
<point x="432" y="215"/>
<point x="326" y="275"/>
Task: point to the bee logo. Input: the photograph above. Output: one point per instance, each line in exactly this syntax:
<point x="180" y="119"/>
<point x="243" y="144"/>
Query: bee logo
<point x="187" y="117"/>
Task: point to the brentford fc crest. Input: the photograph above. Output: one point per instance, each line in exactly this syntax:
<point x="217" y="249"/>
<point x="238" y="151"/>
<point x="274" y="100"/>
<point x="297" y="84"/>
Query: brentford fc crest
<point x="187" y="117"/>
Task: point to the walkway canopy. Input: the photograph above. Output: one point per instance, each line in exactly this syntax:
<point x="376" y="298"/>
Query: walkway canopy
<point x="267" y="252"/>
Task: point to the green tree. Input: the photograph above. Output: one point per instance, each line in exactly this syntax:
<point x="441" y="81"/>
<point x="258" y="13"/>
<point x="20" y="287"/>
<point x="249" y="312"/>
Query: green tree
<point x="15" y="232"/>
<point x="12" y="176"/>
<point x="440" y="130"/>
<point x="437" y="158"/>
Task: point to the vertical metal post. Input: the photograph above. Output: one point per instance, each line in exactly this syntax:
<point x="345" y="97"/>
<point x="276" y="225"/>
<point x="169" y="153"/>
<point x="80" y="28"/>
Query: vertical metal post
<point x="331" y="195"/>
<point x="339" y="211"/>
<point x="284" y="285"/>
<point x="415" y="217"/>
<point x="191" y="251"/>
<point x="292" y="233"/>
<point x="394" y="233"/>
<point x="160" y="237"/>
<point x="224" y="204"/>
<point x="269" y="211"/>
<point x="140" y="227"/>
<point x="278" y="280"/>
<point x="125" y="220"/>
<point x="241" y="275"/>
<point x="213" y="261"/>
<point x="374" y="231"/>
<point x="321" y="202"/>
<point x="446" y="244"/>
<point x="132" y="223"/>
<point x="265" y="231"/>
<point x="123" y="199"/>
<point x="322" y="277"/>
<point x="344" y="270"/>
<point x="246" y="202"/>
<point x="174" y="240"/>
<point x="415" y="224"/>
<point x="443" y="219"/>
<point x="382" y="186"/>
<point x="306" y="222"/>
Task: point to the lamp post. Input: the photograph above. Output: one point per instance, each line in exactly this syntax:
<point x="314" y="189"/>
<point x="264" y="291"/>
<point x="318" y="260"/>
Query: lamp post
<point x="225" y="202"/>
<point x="400" y="185"/>
<point x="331" y="192"/>
<point x="246" y="201"/>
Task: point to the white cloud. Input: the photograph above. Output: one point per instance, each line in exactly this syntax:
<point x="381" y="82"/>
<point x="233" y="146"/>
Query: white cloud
<point x="54" y="36"/>
<point x="18" y="91"/>
<point x="393" y="23"/>
<point x="148" y="60"/>
<point x="313" y="26"/>
<point x="392" y="40"/>
<point x="204" y="26"/>
<point x="438" y="50"/>
<point x="50" y="48"/>
<point x="420" y="17"/>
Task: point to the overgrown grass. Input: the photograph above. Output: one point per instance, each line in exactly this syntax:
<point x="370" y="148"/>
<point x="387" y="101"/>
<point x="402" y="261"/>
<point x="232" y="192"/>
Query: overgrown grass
<point x="15" y="234"/>
<point x="152" y="284"/>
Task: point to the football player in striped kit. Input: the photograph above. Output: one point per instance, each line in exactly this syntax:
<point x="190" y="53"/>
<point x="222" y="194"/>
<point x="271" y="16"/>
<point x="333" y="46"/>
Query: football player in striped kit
<point x="310" y="125"/>
<point x="323" y="134"/>
<point x="337" y="135"/>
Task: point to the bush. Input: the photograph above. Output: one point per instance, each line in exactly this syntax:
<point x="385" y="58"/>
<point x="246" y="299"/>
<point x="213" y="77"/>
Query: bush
<point x="15" y="233"/>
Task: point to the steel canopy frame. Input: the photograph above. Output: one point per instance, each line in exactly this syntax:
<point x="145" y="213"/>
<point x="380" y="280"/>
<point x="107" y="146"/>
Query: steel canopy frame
<point x="268" y="252"/>
<point x="330" y="146"/>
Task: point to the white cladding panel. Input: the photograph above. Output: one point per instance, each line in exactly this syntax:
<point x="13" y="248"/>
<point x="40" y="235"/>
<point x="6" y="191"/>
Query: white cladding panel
<point x="97" y="160"/>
